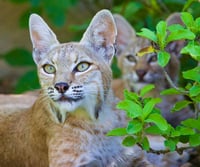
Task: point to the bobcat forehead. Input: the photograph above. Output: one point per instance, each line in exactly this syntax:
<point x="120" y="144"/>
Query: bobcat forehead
<point x="69" y="53"/>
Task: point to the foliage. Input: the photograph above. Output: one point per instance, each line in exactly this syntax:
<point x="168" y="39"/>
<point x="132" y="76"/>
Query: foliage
<point x="145" y="118"/>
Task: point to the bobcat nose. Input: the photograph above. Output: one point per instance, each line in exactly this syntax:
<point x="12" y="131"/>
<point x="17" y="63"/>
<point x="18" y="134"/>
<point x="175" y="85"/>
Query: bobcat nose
<point x="141" y="74"/>
<point x="61" y="87"/>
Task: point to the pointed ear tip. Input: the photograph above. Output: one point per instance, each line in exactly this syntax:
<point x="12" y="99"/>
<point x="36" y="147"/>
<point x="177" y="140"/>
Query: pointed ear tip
<point x="105" y="11"/>
<point x="33" y="17"/>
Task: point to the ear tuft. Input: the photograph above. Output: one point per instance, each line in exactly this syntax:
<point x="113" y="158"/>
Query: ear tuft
<point x="125" y="33"/>
<point x="42" y="37"/>
<point x="101" y="34"/>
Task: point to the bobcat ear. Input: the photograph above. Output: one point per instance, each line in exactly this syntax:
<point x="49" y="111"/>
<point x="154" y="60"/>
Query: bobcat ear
<point x="125" y="33"/>
<point x="174" y="18"/>
<point x="42" y="37"/>
<point x="101" y="34"/>
<point x="175" y="47"/>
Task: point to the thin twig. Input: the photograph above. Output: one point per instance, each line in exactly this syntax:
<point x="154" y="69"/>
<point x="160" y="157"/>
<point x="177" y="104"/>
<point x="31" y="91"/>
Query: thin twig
<point x="179" y="150"/>
<point x="172" y="84"/>
<point x="196" y="110"/>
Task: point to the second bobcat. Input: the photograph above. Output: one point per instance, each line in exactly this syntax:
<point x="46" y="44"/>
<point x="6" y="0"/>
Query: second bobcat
<point x="138" y="71"/>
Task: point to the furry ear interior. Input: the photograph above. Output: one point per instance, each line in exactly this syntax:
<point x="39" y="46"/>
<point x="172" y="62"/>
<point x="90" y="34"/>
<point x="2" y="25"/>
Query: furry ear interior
<point x="101" y="34"/>
<point x="42" y="37"/>
<point x="125" y="33"/>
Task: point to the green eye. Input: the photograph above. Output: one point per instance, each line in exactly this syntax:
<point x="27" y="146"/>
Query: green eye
<point x="82" y="66"/>
<point x="131" y="58"/>
<point x="50" y="69"/>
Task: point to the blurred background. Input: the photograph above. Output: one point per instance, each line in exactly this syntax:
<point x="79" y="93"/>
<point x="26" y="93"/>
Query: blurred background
<point x="68" y="19"/>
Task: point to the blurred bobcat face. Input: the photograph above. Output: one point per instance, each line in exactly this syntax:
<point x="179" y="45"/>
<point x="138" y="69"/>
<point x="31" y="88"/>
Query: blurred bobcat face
<point x="139" y="65"/>
<point x="75" y="76"/>
<point x="137" y="58"/>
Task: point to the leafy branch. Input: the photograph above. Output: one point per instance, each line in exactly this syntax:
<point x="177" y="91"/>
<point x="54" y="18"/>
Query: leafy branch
<point x="145" y="118"/>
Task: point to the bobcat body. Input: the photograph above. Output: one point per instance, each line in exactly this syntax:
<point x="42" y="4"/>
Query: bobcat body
<point x="138" y="71"/>
<point x="68" y="123"/>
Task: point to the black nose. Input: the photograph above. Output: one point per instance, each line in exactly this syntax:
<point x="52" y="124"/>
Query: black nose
<point x="141" y="73"/>
<point x="61" y="87"/>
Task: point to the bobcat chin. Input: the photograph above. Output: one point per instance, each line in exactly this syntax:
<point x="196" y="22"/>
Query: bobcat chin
<point x="67" y="124"/>
<point x="138" y="71"/>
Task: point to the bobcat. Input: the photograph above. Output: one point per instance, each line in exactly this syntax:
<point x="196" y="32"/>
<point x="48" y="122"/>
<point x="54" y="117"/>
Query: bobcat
<point x="138" y="71"/>
<point x="67" y="124"/>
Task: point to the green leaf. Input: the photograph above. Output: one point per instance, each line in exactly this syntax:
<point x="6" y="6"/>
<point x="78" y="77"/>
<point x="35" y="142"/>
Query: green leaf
<point x="19" y="57"/>
<point x="197" y="24"/>
<point x="161" y="30"/>
<point x="192" y="49"/>
<point x="146" y="33"/>
<point x="175" y="133"/>
<point x="170" y="91"/>
<point x="132" y="109"/>
<point x="117" y="132"/>
<point x="163" y="58"/>
<point x="29" y="81"/>
<point x="194" y="140"/>
<point x="170" y="144"/>
<point x="180" y="105"/>
<point x="193" y="74"/>
<point x="175" y="27"/>
<point x="180" y="34"/>
<point x="187" y="19"/>
<point x="194" y="90"/>
<point x="131" y="96"/>
<point x="146" y="89"/>
<point x="145" y="144"/>
<point x="158" y="120"/>
<point x="185" y="131"/>
<point x="184" y="139"/>
<point x="129" y="141"/>
<point x="154" y="130"/>
<point x="134" y="127"/>
<point x="149" y="106"/>
<point x="192" y="123"/>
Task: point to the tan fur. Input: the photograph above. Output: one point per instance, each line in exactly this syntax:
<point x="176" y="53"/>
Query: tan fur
<point x="67" y="124"/>
<point x="138" y="71"/>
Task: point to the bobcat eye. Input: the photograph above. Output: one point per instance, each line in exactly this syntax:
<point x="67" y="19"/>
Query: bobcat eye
<point x="153" y="58"/>
<point x="82" y="66"/>
<point x="49" y="69"/>
<point x="131" y="58"/>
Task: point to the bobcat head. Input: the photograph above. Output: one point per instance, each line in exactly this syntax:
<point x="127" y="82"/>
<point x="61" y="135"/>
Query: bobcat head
<point x="137" y="71"/>
<point x="75" y="77"/>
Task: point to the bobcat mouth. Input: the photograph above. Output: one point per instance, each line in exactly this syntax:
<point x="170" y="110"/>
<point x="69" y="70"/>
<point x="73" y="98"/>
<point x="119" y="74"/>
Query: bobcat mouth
<point x="64" y="98"/>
